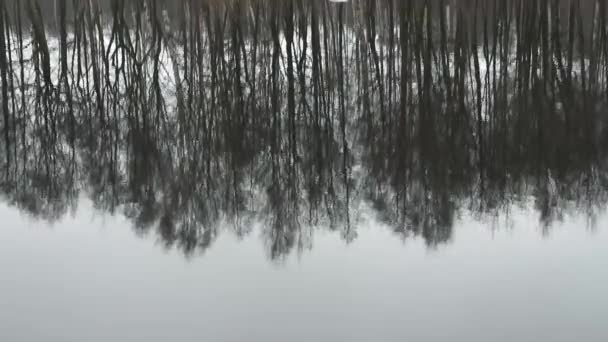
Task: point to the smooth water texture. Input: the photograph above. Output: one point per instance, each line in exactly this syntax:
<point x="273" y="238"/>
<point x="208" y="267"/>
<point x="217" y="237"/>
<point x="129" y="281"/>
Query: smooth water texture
<point x="303" y="170"/>
<point x="89" y="278"/>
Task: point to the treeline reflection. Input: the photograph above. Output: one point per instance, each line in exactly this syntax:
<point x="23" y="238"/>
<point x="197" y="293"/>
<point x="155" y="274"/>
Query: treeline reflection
<point x="297" y="114"/>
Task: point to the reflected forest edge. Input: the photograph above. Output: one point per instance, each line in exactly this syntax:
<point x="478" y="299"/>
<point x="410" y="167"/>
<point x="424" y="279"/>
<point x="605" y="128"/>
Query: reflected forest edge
<point x="192" y="115"/>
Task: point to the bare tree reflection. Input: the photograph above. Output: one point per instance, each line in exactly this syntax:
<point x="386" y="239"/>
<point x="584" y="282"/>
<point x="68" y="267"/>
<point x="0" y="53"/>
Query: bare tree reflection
<point x="196" y="116"/>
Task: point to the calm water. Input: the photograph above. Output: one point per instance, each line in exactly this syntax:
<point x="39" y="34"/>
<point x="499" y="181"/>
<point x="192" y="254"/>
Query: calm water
<point x="303" y="170"/>
<point x="90" y="278"/>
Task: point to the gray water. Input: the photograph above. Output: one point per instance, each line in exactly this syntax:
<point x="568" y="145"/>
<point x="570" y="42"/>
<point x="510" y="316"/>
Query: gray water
<point x="303" y="170"/>
<point x="88" y="278"/>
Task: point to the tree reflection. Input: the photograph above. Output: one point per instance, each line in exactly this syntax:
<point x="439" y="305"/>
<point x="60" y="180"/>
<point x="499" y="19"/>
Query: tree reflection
<point x="197" y="116"/>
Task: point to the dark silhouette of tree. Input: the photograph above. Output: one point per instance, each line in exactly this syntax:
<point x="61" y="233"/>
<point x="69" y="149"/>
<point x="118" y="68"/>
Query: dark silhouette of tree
<point x="196" y="116"/>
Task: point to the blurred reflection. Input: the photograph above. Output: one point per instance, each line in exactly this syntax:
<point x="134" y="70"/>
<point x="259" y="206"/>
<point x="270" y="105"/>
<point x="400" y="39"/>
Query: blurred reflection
<point x="197" y="116"/>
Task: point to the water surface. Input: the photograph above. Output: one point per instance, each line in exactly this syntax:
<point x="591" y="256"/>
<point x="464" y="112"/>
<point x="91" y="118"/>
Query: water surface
<point x="91" y="278"/>
<point x="303" y="170"/>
